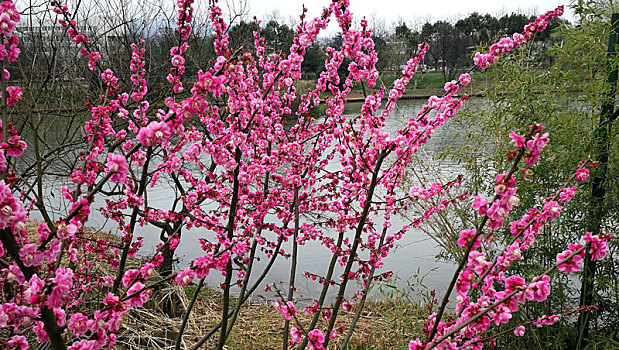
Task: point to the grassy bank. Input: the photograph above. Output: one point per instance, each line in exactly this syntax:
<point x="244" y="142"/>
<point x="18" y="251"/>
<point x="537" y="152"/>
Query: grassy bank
<point x="383" y="325"/>
<point x="423" y="85"/>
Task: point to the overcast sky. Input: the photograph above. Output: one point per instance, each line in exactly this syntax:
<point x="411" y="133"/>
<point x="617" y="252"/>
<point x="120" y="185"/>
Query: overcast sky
<point x="411" y="11"/>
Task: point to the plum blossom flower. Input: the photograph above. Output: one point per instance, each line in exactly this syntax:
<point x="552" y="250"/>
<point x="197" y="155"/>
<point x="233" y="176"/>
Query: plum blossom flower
<point x="465" y="238"/>
<point x="416" y="345"/>
<point x="154" y="133"/>
<point x="465" y="79"/>
<point x="63" y="281"/>
<point x="93" y="59"/>
<point x="570" y="265"/>
<point x="77" y="324"/>
<point x="30" y="256"/>
<point x="519" y="331"/>
<point x="12" y="213"/>
<point x="535" y="147"/>
<point x="316" y="339"/>
<point x="598" y="245"/>
<point x="8" y="7"/>
<point x="3" y="165"/>
<point x="214" y="84"/>
<point x="582" y="175"/>
<point x="451" y="87"/>
<point x="538" y="291"/>
<point x="14" y="95"/>
<point x="139" y="299"/>
<point x="567" y="194"/>
<point x="14" y="146"/>
<point x="184" y="277"/>
<point x="7" y="25"/>
<point x="288" y="309"/>
<point x="117" y="166"/>
<point x="178" y="61"/>
<point x="64" y="231"/>
<point x="18" y="342"/>
<point x="518" y="140"/>
<point x="481" y="205"/>
<point x="296" y="335"/>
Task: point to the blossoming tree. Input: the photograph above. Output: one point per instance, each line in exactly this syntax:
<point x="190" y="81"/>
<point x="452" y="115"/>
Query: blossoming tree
<point x="250" y="184"/>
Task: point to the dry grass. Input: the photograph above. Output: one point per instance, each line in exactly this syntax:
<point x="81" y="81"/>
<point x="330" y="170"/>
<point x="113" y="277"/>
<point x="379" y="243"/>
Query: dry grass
<point x="384" y="325"/>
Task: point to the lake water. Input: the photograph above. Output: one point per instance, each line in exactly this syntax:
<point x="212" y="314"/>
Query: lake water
<point x="415" y="253"/>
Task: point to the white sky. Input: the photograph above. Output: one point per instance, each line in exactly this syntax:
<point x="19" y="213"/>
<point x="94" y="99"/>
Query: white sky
<point x="411" y="11"/>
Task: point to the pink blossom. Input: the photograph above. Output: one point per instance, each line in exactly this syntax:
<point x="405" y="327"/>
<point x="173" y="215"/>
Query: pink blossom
<point x="465" y="238"/>
<point x="77" y="324"/>
<point x="35" y="289"/>
<point x="316" y="339"/>
<point x="129" y="276"/>
<point x="208" y="82"/>
<point x="12" y="213"/>
<point x="519" y="331"/>
<point x="296" y="335"/>
<point x="42" y="335"/>
<point x="501" y="315"/>
<point x="552" y="209"/>
<point x="18" y="342"/>
<point x="598" y="246"/>
<point x="567" y="194"/>
<point x="93" y="58"/>
<point x="582" y="175"/>
<point x="147" y="270"/>
<point x="8" y="7"/>
<point x="3" y="165"/>
<point x="465" y="79"/>
<point x="570" y="265"/>
<point x="184" y="277"/>
<point x="154" y="133"/>
<point x="14" y="146"/>
<point x="451" y="87"/>
<point x="63" y="281"/>
<point x="7" y="25"/>
<point x="14" y="95"/>
<point x="85" y="345"/>
<point x="518" y="140"/>
<point x="416" y="345"/>
<point x="288" y="309"/>
<point x="535" y="147"/>
<point x="30" y="256"/>
<point x="538" y="291"/>
<point x="64" y="231"/>
<point x="117" y="166"/>
<point x="178" y="61"/>
<point x="481" y="205"/>
<point x="139" y="299"/>
<point x="513" y="283"/>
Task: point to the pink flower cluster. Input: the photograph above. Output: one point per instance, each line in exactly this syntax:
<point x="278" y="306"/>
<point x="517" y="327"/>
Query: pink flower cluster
<point x="507" y="44"/>
<point x="117" y="165"/>
<point x="9" y="17"/>
<point x="495" y="305"/>
<point x="12" y="213"/>
<point x="288" y="309"/>
<point x="154" y="133"/>
<point x="569" y="260"/>
<point x="76" y="36"/>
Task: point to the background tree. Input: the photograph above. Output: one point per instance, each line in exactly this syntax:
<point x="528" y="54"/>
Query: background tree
<point x="448" y="49"/>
